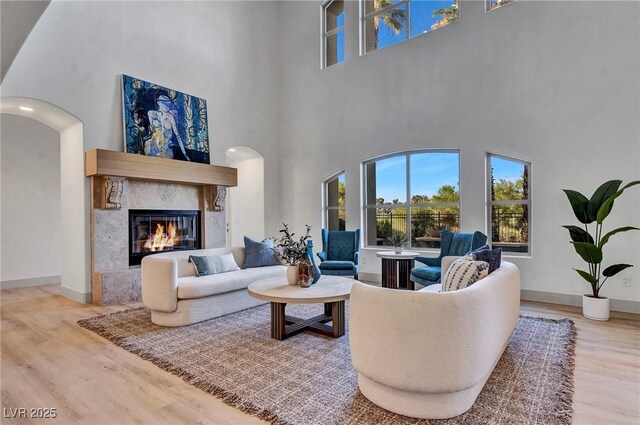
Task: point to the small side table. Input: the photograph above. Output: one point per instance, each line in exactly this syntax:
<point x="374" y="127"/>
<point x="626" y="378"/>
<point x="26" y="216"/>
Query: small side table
<point x="396" y="269"/>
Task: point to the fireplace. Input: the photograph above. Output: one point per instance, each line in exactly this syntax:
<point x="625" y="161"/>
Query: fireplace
<point x="154" y="231"/>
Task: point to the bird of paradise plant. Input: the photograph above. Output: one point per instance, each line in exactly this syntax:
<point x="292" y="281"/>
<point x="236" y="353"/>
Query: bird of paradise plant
<point x="588" y="246"/>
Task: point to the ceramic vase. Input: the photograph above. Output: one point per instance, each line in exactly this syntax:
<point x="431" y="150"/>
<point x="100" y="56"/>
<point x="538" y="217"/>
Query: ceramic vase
<point x="305" y="273"/>
<point x="595" y="308"/>
<point x="397" y="250"/>
<point x="292" y="274"/>
<point x="314" y="266"/>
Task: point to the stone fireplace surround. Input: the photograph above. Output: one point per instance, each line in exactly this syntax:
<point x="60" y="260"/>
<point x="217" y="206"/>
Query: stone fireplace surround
<point x="113" y="280"/>
<point x="121" y="181"/>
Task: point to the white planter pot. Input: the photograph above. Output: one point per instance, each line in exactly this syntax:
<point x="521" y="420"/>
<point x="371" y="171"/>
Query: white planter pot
<point x="397" y="250"/>
<point x="595" y="308"/>
<point x="292" y="275"/>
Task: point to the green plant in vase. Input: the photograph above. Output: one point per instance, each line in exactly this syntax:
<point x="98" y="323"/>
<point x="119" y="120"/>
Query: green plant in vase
<point x="590" y="245"/>
<point x="293" y="251"/>
<point x="399" y="240"/>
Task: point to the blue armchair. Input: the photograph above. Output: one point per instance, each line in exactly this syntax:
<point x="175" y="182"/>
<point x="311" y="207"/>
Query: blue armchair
<point x="340" y="252"/>
<point x="457" y="244"/>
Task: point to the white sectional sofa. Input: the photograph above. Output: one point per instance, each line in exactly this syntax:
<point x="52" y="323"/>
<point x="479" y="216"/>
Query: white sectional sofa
<point x="427" y="354"/>
<point x="176" y="297"/>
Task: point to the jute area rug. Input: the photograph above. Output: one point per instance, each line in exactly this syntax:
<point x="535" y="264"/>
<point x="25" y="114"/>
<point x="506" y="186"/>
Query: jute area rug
<point x="309" y="379"/>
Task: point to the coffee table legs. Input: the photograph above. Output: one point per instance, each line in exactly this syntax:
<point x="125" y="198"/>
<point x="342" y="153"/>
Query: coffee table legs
<point x="278" y="323"/>
<point x="337" y="318"/>
<point x="284" y="326"/>
<point x="396" y="273"/>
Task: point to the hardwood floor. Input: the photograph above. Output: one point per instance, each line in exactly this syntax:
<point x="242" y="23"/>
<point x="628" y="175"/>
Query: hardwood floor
<point x="48" y="361"/>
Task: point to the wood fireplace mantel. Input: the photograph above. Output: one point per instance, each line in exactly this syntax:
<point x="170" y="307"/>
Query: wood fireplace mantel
<point x="100" y="162"/>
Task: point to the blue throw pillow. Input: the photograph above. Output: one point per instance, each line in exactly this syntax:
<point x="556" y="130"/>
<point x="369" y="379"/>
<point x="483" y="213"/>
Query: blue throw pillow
<point x="491" y="256"/>
<point x="259" y="254"/>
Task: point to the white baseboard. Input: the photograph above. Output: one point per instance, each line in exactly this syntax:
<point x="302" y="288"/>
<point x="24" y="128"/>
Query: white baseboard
<point x="626" y="306"/>
<point x="370" y="277"/>
<point x="81" y="297"/>
<point x="542" y="296"/>
<point x="31" y="281"/>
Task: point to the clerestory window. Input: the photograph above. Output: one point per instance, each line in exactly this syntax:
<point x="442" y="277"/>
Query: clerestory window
<point x="332" y="32"/>
<point x="387" y="22"/>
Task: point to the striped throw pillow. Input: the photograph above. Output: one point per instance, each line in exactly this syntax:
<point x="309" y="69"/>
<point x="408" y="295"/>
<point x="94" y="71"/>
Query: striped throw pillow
<point x="213" y="264"/>
<point x="463" y="273"/>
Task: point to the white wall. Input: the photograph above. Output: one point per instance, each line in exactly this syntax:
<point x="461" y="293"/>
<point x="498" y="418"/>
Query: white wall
<point x="30" y="187"/>
<point x="76" y="54"/>
<point x="215" y="50"/>
<point x="246" y="202"/>
<point x="554" y="83"/>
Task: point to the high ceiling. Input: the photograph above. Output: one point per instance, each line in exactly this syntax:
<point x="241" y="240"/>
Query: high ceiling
<point x="17" y="19"/>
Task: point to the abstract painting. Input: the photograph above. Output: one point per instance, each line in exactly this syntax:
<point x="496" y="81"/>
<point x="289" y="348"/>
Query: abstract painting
<point x="163" y="122"/>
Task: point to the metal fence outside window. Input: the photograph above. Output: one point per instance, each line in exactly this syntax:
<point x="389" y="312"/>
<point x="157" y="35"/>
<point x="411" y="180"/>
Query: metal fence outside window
<point x="507" y="227"/>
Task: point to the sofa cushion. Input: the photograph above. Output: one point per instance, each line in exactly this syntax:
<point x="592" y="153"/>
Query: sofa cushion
<point x="427" y="273"/>
<point x="197" y="287"/>
<point x="431" y="288"/>
<point x="337" y="265"/>
<point x="463" y="273"/>
<point x="185" y="268"/>
<point x="259" y="254"/>
<point x="212" y="264"/>
<point x="485" y="253"/>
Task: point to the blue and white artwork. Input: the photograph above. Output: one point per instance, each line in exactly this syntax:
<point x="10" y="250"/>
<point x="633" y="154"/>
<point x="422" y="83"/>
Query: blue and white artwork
<point x="163" y="122"/>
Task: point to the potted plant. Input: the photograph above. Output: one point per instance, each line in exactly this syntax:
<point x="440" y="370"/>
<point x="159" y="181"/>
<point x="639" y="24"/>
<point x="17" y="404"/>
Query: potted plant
<point x="293" y="251"/>
<point x="399" y="240"/>
<point x="590" y="247"/>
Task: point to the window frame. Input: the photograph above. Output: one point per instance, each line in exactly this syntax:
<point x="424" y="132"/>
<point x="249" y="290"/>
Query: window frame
<point x="324" y="34"/>
<point x="363" y="17"/>
<point x="408" y="205"/>
<point x="490" y="203"/>
<point x="325" y="198"/>
<point x="488" y="8"/>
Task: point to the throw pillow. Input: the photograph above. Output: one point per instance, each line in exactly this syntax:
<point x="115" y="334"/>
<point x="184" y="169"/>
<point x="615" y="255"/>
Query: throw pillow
<point x="463" y="273"/>
<point x="259" y="254"/>
<point x="212" y="264"/>
<point x="485" y="253"/>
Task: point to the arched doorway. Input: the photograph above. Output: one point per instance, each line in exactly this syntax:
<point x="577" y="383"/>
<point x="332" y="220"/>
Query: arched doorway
<point x="74" y="193"/>
<point x="245" y="202"/>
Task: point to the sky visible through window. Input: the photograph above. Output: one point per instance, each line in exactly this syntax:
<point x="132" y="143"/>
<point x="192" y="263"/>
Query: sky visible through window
<point x="429" y="171"/>
<point x="340" y="35"/>
<point x="422" y="20"/>
<point x="340" y="20"/>
<point x="340" y="46"/>
<point x="503" y="169"/>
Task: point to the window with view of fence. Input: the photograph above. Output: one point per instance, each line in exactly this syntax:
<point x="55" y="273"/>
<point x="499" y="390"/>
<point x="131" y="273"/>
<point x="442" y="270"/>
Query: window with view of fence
<point x="509" y="203"/>
<point x="416" y="193"/>
<point x="508" y="228"/>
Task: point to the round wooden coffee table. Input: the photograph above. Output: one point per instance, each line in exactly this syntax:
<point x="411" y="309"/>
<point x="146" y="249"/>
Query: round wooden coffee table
<point x="332" y="291"/>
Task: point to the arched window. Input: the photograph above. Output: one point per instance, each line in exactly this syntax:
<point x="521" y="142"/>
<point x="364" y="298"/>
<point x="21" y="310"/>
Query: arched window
<point x="417" y="193"/>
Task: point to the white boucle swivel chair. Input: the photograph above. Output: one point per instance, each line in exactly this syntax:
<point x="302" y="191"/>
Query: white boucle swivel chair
<point x="427" y="354"/>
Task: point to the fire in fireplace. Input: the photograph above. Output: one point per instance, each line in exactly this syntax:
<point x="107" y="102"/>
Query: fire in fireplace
<point x="153" y="231"/>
